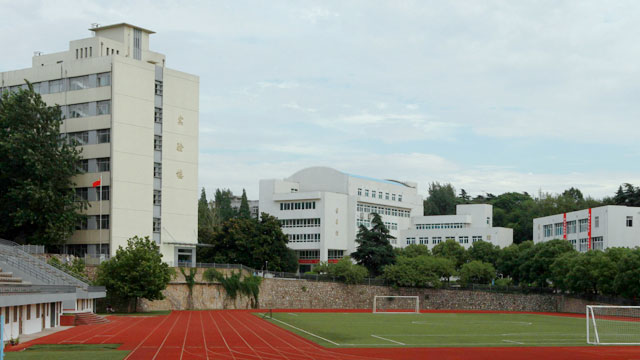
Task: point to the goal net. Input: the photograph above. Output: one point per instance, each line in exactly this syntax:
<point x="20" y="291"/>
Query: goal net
<point x="396" y="305"/>
<point x="613" y="325"/>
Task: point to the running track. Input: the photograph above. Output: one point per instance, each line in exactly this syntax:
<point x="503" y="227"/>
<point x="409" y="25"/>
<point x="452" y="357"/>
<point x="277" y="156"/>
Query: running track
<point x="237" y="334"/>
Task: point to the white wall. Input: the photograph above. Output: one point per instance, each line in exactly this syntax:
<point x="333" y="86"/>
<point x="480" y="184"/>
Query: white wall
<point x="34" y="325"/>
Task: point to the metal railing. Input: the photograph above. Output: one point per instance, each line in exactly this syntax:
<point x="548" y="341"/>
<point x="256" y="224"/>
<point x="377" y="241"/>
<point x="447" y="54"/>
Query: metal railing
<point x="33" y="249"/>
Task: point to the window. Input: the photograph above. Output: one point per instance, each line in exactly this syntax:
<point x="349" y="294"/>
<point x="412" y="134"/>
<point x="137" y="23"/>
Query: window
<point x="597" y="221"/>
<point x="79" y="83"/>
<point x="157" y="197"/>
<point x="55" y="86"/>
<point x="411" y="241"/>
<point x="82" y="224"/>
<point x="104" y="79"/>
<point x="463" y="239"/>
<point x="379" y="194"/>
<point x="156" y="225"/>
<point x="393" y="197"/>
<point x="571" y="227"/>
<point x="103" y="164"/>
<point x="158" y="117"/>
<point x="83" y="166"/>
<point x="6" y="315"/>
<point x="373" y="194"/>
<point x="386" y="196"/>
<point x="37" y="311"/>
<point x="629" y="221"/>
<point x="157" y="170"/>
<point x="547" y="230"/>
<point x="447" y="238"/>
<point x="157" y="142"/>
<point x="78" y="138"/>
<point x="104" y="136"/>
<point x="424" y="240"/>
<point x="15" y="313"/>
<point x="335" y="254"/>
<point x="400" y="197"/>
<point x="106" y="192"/>
<point x="158" y="88"/>
<point x="308" y="254"/>
<point x="476" y="238"/>
<point x="28" y="312"/>
<point x="103" y="222"/>
<point x="583" y="225"/>
<point x="558" y="229"/>
<point x="79" y="110"/>
<point x="366" y="193"/>
<point x="597" y="243"/>
<point x="584" y="245"/>
<point x="82" y="194"/>
<point x="488" y="220"/>
<point x="104" y="107"/>
<point x="137" y="44"/>
<point x="436" y="240"/>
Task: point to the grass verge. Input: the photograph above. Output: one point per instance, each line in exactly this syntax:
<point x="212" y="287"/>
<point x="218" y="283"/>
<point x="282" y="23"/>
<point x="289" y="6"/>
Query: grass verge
<point x="69" y="352"/>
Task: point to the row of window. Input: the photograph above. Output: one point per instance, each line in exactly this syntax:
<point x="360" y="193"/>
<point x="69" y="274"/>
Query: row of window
<point x="367" y="223"/>
<point x="378" y="195"/>
<point x="70" y="84"/>
<point x="101" y="165"/>
<point x="335" y="254"/>
<point x="81" y="110"/>
<point x="92" y="194"/>
<point x="87" y="52"/>
<point x="308" y="254"/>
<point x="157" y="225"/>
<point x="291" y="223"/>
<point x="382" y="210"/>
<point x="304" y="205"/>
<point x="440" y="226"/>
<point x="424" y="240"/>
<point x="583" y="226"/>
<point x="93" y="222"/>
<point x="89" y="137"/>
<point x="582" y="245"/>
<point x="304" y="238"/>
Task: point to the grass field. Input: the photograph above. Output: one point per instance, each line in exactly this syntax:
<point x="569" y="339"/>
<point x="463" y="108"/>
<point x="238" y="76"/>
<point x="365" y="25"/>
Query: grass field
<point x="69" y="352"/>
<point x="434" y="329"/>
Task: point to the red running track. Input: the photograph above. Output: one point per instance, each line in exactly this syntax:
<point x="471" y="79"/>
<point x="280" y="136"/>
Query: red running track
<point x="237" y="334"/>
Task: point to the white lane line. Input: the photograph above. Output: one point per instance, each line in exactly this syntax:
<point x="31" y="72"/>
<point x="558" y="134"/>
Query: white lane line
<point x="393" y="341"/>
<point x="514" y="342"/>
<point x="306" y="332"/>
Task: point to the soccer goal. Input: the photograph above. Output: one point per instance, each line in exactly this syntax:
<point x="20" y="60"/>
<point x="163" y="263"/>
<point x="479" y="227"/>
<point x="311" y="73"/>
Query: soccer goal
<point x="613" y="325"/>
<point x="396" y="304"/>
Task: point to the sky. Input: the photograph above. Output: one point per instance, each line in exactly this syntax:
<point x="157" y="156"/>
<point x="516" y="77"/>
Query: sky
<point x="491" y="96"/>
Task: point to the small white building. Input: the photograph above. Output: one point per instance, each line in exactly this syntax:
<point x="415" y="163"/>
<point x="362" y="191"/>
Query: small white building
<point x="320" y="210"/>
<point x="594" y="228"/>
<point x="472" y="223"/>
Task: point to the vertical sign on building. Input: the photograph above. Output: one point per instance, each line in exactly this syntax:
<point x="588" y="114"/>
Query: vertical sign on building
<point x="589" y="229"/>
<point x="564" y="226"/>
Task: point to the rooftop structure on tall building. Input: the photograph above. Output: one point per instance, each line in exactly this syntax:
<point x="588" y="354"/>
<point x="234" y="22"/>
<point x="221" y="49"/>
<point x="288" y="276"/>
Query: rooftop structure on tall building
<point x="592" y="229"/>
<point x="137" y="123"/>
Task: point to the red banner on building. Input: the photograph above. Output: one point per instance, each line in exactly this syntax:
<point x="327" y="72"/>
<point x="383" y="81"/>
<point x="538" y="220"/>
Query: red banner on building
<point x="303" y="261"/>
<point x="589" y="231"/>
<point x="564" y="226"/>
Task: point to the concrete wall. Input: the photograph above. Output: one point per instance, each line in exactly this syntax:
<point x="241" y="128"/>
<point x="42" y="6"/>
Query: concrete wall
<point x="34" y="324"/>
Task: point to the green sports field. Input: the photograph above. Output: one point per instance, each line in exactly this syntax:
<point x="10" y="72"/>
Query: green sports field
<point x="434" y="329"/>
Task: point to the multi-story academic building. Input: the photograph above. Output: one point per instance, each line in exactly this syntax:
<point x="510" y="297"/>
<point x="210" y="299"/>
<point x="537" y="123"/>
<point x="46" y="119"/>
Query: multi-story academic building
<point x="472" y="223"/>
<point x="137" y="123"/>
<point x="320" y="210"/>
<point x="594" y="228"/>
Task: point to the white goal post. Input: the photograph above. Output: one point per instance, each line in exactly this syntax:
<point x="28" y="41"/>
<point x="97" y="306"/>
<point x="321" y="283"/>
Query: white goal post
<point x="613" y="325"/>
<point x="396" y="304"/>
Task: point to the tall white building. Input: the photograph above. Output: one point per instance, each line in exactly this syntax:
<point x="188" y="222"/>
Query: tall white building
<point x="594" y="228"/>
<point x="137" y="121"/>
<point x="321" y="208"/>
<point x="472" y="223"/>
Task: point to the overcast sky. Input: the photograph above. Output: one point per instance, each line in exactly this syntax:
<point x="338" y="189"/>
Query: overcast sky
<point x="492" y="96"/>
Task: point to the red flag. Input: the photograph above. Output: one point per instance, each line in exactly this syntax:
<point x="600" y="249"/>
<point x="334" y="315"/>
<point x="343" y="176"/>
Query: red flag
<point x="96" y="183"/>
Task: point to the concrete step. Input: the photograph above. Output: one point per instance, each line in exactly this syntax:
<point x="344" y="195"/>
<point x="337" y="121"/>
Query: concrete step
<point x="89" y="319"/>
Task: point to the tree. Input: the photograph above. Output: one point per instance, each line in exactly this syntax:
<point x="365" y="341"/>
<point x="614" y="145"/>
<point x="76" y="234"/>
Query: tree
<point x="344" y="270"/>
<point x="412" y="250"/>
<point x="37" y="200"/>
<point x="450" y="249"/>
<point x="420" y="271"/>
<point x="374" y="249"/>
<point x="244" y="212"/>
<point x="251" y="242"/>
<point x="627" y="279"/>
<point x="223" y="210"/>
<point x="477" y="272"/>
<point x="536" y="269"/>
<point x="464" y="198"/>
<point x="441" y="200"/>
<point x="136" y="272"/>
<point x="511" y="258"/>
<point x="205" y="216"/>
<point x="484" y="251"/>
<point x="76" y="267"/>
